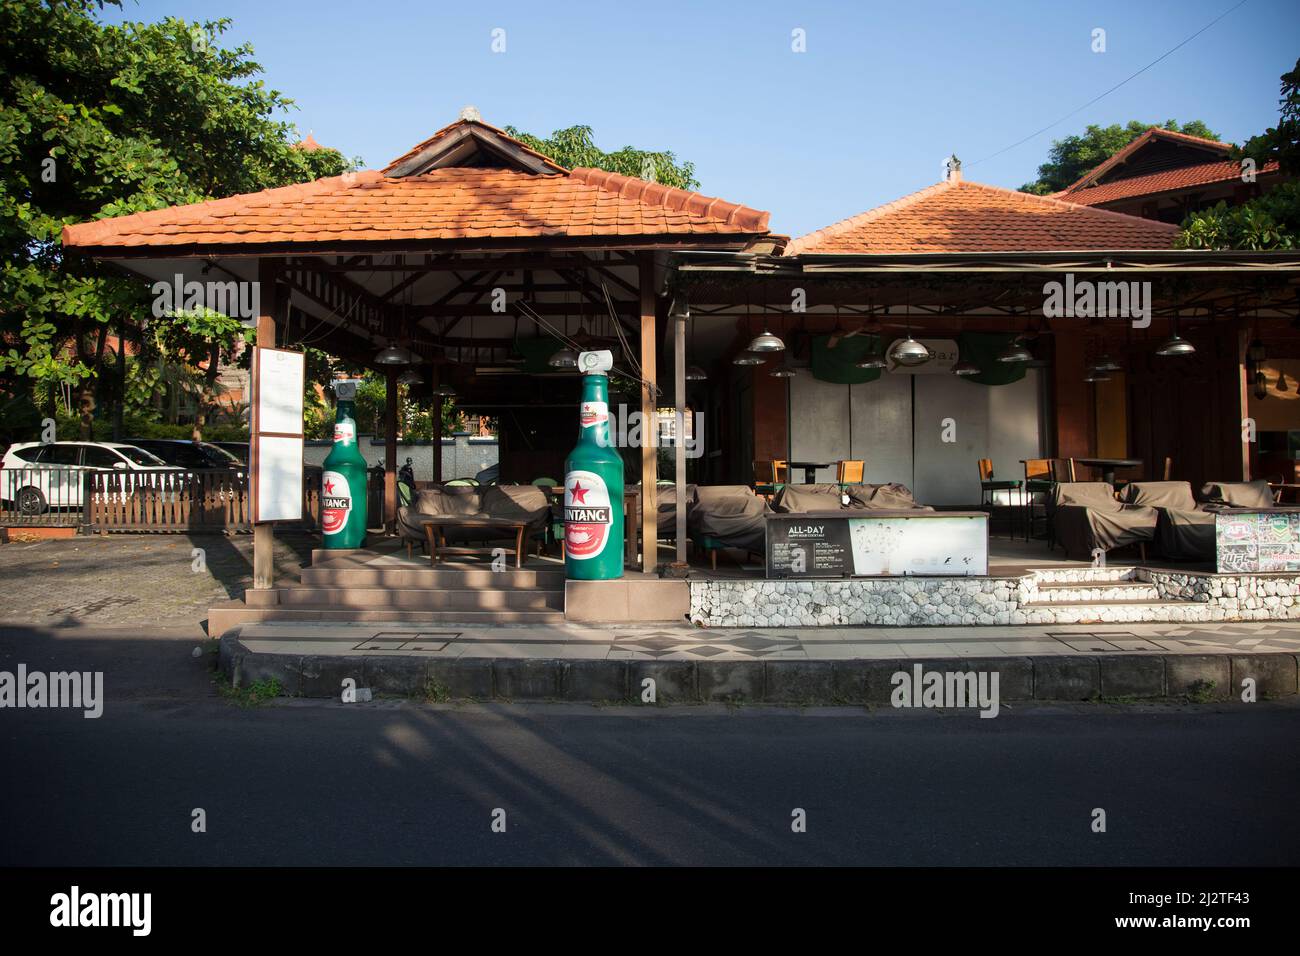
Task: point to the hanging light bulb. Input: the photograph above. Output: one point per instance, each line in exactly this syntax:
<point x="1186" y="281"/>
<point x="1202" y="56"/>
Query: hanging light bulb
<point x="767" y="342"/>
<point x="695" y="374"/>
<point x="564" y="358"/>
<point x="1175" y="345"/>
<point x="909" y="352"/>
<point x="966" y="369"/>
<point x="1015" y="352"/>
<point x="392" y="355"/>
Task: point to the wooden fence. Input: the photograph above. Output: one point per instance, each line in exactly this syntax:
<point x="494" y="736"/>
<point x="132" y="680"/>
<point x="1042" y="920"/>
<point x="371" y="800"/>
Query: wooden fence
<point x="210" y="500"/>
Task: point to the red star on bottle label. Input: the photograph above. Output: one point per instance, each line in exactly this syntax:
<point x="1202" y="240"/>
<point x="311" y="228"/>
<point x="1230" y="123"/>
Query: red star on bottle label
<point x="579" y="493"/>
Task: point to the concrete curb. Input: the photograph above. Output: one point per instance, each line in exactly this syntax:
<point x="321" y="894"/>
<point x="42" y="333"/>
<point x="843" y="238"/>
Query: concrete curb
<point x="1201" y="677"/>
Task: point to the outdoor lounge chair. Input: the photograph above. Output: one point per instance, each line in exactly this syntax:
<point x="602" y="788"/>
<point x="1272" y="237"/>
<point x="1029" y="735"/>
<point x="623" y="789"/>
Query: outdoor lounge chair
<point x="1239" y="494"/>
<point x="800" y="499"/>
<point x="727" y="516"/>
<point x="1087" y="517"/>
<point x="1185" y="529"/>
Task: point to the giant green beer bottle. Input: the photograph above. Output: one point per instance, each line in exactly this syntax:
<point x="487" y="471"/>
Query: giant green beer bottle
<point x="593" y="484"/>
<point x="343" y="485"/>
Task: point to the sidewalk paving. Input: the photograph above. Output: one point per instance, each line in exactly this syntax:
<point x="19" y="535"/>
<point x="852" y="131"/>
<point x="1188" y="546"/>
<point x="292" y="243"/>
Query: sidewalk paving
<point x="682" y="642"/>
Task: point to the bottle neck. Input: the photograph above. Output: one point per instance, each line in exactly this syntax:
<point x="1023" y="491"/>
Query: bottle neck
<point x="593" y="412"/>
<point x="345" y="424"/>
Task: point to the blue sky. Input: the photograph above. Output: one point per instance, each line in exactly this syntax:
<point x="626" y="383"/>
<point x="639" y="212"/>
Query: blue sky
<point x="884" y="92"/>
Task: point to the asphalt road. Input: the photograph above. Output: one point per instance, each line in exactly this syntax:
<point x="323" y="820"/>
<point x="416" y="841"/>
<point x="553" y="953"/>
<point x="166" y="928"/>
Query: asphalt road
<point x="306" y="782"/>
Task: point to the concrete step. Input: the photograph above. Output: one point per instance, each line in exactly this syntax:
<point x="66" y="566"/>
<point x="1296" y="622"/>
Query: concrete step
<point x="1052" y="594"/>
<point x="1080" y="575"/>
<point x="1117" y="612"/>
<point x="245" y="615"/>
<point x="427" y="599"/>
<point x="511" y="578"/>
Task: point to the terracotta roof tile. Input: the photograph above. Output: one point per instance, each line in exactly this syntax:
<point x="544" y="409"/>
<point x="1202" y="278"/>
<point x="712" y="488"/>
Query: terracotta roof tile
<point x="448" y="203"/>
<point x="1167" y="181"/>
<point x="959" y="216"/>
<point x="1154" y="133"/>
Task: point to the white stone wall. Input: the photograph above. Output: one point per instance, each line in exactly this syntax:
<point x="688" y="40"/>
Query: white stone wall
<point x="1102" y="595"/>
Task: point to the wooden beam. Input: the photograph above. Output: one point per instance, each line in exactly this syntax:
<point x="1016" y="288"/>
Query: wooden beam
<point x="649" y="453"/>
<point x="264" y="531"/>
<point x="390" y="449"/>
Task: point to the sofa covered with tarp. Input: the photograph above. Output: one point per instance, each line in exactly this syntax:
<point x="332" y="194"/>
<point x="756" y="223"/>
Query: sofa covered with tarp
<point x="1087" y="517"/>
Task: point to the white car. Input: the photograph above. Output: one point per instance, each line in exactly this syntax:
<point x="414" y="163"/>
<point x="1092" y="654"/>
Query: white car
<point x="38" y="476"/>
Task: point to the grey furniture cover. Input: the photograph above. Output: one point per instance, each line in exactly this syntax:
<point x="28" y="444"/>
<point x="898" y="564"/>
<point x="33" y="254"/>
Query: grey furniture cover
<point x="802" y="499"/>
<point x="1087" y="516"/>
<point x="1238" y="494"/>
<point x="666" y="508"/>
<point x="730" y="514"/>
<point x="1184" y="530"/>
<point x="513" y="502"/>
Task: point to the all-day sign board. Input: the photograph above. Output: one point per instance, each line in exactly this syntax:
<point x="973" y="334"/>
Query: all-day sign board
<point x="277" y="437"/>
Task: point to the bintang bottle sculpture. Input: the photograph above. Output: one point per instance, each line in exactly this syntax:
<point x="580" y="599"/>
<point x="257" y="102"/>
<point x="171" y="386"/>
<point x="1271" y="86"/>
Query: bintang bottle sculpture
<point x="593" y="483"/>
<point x="343" y="485"/>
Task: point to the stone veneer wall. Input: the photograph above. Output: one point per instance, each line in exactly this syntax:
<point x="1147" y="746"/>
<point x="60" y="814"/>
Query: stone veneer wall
<point x="929" y="601"/>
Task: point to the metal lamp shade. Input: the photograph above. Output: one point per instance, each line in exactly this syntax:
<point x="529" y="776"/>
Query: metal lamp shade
<point x="695" y="374"/>
<point x="444" y="391"/>
<point x="1015" y="352"/>
<point x="910" y="352"/>
<point x="1096" y="375"/>
<point x="563" y="358"/>
<point x="874" y="360"/>
<point x="747" y="358"/>
<point x="767" y="342"/>
<point x="1107" y="364"/>
<point x="410" y="377"/>
<point x="392" y="355"/>
<point x="782" y="371"/>
<point x="1175" y="345"/>
<point x="966" y="369"/>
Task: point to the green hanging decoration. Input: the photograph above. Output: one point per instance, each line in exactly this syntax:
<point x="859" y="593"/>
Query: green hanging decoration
<point x="982" y="349"/>
<point x="838" y="365"/>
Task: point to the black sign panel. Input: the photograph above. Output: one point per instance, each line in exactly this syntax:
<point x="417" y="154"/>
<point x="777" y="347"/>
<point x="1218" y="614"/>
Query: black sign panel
<point x="808" y="546"/>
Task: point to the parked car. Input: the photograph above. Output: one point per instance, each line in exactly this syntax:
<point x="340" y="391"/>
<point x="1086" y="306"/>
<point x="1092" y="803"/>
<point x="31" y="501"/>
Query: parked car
<point x="238" y="449"/>
<point x="36" y="476"/>
<point x="188" y="454"/>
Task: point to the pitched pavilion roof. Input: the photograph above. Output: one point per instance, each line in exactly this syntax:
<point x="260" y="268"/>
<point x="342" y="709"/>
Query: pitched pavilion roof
<point x="469" y="181"/>
<point x="956" y="216"/>
<point x="1213" y="149"/>
<point x="1202" y="174"/>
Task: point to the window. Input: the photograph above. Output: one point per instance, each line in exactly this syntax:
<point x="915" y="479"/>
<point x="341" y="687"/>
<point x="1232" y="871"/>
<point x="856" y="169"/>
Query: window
<point x="61" y="454"/>
<point x="140" y="456"/>
<point x="96" y="457"/>
<point x="30" y="455"/>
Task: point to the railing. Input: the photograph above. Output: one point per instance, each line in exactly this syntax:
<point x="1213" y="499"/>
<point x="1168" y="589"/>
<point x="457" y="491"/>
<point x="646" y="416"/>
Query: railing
<point x="46" y="497"/>
<point x="199" y="501"/>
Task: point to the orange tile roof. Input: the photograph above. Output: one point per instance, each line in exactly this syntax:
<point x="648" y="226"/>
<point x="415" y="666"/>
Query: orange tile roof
<point x="1154" y="133"/>
<point x="956" y="216"/>
<point x="1201" y="174"/>
<point x="443" y="204"/>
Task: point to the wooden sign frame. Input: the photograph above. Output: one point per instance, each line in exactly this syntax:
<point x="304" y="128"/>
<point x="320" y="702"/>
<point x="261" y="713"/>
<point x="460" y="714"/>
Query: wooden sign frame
<point x="261" y="369"/>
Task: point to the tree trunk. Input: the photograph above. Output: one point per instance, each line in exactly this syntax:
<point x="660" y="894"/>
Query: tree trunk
<point x="207" y="400"/>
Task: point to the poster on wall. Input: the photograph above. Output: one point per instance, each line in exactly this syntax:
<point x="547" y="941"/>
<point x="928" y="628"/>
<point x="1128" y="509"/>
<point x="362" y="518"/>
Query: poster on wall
<point x="850" y="544"/>
<point x="275" y="463"/>
<point x="1247" y="542"/>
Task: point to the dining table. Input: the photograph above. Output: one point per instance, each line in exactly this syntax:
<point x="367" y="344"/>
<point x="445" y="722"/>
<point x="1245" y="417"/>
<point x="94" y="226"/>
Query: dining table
<point x="1108" y="466"/>
<point x="810" y="469"/>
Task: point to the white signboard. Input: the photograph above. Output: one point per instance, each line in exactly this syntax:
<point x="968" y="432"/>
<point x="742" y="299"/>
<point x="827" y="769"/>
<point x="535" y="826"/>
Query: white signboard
<point x="279" y="391"/>
<point x="941" y="544"/>
<point x="277" y="437"/>
<point x="943" y="356"/>
<point x="279" y="478"/>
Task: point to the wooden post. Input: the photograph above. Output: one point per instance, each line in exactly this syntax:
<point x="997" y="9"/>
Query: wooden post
<point x="679" y="406"/>
<point x="264" y="532"/>
<point x="1243" y="400"/>
<point x="437" y="434"/>
<point x="390" y="449"/>
<point x="649" y="451"/>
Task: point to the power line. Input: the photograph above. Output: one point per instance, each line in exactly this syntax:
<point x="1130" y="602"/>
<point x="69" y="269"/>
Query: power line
<point x="1102" y="96"/>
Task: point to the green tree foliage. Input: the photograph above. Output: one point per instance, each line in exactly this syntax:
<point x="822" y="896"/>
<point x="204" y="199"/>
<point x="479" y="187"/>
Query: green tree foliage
<point x="99" y="120"/>
<point x="575" y="146"/>
<point x="1270" y="221"/>
<point x="1070" y="158"/>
